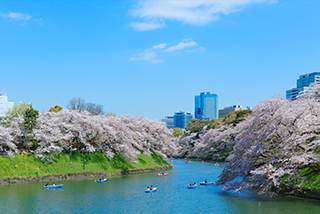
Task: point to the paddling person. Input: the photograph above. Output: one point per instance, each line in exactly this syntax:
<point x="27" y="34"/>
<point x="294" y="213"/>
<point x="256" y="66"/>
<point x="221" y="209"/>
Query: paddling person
<point x="206" y="181"/>
<point x="195" y="184"/>
<point x="102" y="178"/>
<point x="47" y="185"/>
<point x="151" y="188"/>
<point x="190" y="184"/>
<point x="148" y="188"/>
<point x="53" y="184"/>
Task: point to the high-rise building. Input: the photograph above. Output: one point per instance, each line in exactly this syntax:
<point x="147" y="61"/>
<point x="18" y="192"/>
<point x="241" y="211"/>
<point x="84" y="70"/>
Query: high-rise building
<point x="303" y="85"/>
<point x="206" y="106"/>
<point x="181" y="119"/>
<point x="223" y="112"/>
<point x="169" y="121"/>
<point x="4" y="104"/>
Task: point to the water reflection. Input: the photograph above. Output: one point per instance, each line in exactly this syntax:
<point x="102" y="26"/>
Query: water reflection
<point x="126" y="193"/>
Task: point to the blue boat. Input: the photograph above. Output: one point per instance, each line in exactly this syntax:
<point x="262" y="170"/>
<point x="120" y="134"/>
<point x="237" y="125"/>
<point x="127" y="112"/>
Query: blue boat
<point x="101" y="181"/>
<point x="53" y="187"/>
<point x="153" y="190"/>
<point x="208" y="183"/>
<point x="192" y="187"/>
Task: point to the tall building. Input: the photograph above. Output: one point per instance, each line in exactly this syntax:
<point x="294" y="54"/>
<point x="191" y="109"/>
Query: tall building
<point x="4" y="104"/>
<point x="206" y="106"/>
<point x="181" y="119"/>
<point x="223" y="112"/>
<point x="303" y="85"/>
<point x="169" y="121"/>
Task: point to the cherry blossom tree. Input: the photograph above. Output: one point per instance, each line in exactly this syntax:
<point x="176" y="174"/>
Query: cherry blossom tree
<point x="279" y="138"/>
<point x="70" y="130"/>
<point x="6" y="142"/>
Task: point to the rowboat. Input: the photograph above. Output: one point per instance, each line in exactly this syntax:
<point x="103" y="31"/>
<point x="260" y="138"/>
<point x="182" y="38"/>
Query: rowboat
<point x="101" y="181"/>
<point x="165" y="174"/>
<point x="54" y="187"/>
<point x="153" y="190"/>
<point x="192" y="187"/>
<point x="208" y="183"/>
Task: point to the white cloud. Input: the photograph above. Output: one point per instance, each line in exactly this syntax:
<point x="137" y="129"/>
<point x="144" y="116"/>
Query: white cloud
<point x="146" y="55"/>
<point x="197" y="12"/>
<point x="150" y="54"/>
<point x="182" y="45"/>
<point x="160" y="46"/>
<point x="143" y="26"/>
<point x="19" y="17"/>
<point x="199" y="50"/>
<point x="16" y="16"/>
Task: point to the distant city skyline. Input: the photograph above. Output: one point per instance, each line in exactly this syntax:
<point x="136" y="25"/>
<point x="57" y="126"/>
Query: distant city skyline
<point x="206" y="106"/>
<point x="5" y="104"/>
<point x="136" y="60"/>
<point x="303" y="85"/>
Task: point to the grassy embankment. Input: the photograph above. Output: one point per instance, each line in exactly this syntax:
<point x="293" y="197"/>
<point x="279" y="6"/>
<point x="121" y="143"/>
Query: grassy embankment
<point x="306" y="185"/>
<point x="28" y="165"/>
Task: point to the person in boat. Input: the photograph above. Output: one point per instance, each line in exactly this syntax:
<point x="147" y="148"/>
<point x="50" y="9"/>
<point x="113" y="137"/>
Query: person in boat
<point x="206" y="181"/>
<point x="195" y="184"/>
<point x="99" y="179"/>
<point x="53" y="184"/>
<point x="47" y="185"/>
<point x="191" y="184"/>
<point x="148" y="188"/>
<point x="151" y="187"/>
<point x="102" y="178"/>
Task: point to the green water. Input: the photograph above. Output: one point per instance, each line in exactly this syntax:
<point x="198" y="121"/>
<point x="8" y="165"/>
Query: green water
<point x="126" y="195"/>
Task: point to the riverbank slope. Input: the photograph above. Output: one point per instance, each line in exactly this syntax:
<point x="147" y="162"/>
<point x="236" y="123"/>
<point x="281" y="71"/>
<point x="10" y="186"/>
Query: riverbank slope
<point x="25" y="168"/>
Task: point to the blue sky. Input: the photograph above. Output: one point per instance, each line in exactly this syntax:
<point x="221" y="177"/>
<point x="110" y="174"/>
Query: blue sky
<point x="149" y="58"/>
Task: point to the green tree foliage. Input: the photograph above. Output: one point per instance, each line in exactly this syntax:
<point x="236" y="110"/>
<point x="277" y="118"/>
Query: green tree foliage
<point x="30" y="121"/>
<point x="196" y="125"/>
<point x="55" y="109"/>
<point x="111" y="114"/>
<point x="233" y="118"/>
<point x="216" y="123"/>
<point x="177" y="132"/>
<point x="14" y="112"/>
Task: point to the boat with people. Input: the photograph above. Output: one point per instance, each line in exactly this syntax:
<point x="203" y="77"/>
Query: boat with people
<point x="102" y="180"/>
<point x="154" y="189"/>
<point x="206" y="183"/>
<point x="162" y="174"/>
<point x="192" y="185"/>
<point x="54" y="186"/>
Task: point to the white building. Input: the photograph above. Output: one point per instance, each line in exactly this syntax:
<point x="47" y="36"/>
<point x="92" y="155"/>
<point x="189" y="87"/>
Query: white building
<point x="4" y="104"/>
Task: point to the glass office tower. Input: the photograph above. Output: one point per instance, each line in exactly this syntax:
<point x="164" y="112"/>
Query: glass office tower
<point x="303" y="85"/>
<point x="206" y="106"/>
<point x="181" y="119"/>
<point x="5" y="105"/>
<point x="169" y="121"/>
